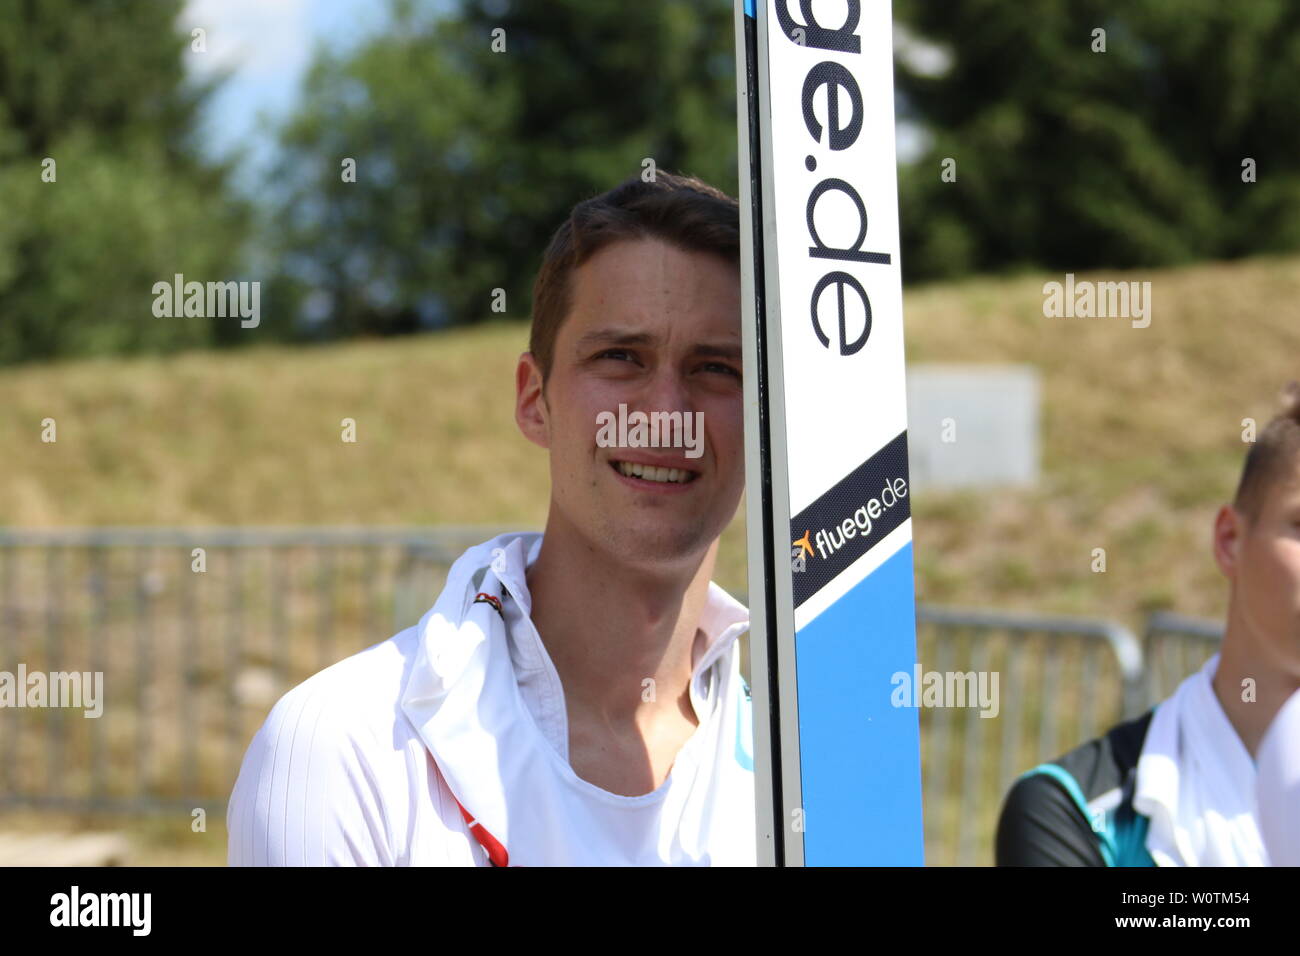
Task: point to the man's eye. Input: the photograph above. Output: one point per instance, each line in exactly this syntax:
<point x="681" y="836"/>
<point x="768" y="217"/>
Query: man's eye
<point x="725" y="369"/>
<point x="615" y="353"/>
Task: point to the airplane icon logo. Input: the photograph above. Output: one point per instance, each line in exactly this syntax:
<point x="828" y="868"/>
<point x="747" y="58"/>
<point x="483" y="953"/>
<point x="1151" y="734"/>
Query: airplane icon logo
<point x="803" y="543"/>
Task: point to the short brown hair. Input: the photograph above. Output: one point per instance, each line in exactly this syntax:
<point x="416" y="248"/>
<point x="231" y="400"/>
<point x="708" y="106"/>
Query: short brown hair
<point x="1275" y="452"/>
<point x="681" y="210"/>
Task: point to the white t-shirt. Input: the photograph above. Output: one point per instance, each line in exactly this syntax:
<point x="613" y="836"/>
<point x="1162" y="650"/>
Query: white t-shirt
<point x="363" y="763"/>
<point x="1278" y="785"/>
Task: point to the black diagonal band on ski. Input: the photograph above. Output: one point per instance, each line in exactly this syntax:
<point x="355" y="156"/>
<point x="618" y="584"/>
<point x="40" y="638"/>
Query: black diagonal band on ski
<point x="851" y="518"/>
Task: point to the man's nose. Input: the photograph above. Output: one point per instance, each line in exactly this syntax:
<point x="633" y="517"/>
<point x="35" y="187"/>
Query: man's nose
<point x="665" y="391"/>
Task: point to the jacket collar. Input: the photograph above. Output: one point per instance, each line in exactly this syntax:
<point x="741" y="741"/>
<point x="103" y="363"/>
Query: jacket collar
<point x="501" y="564"/>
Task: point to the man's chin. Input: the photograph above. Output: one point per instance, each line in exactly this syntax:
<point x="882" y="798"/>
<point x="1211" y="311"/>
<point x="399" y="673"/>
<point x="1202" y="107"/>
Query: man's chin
<point x="657" y="548"/>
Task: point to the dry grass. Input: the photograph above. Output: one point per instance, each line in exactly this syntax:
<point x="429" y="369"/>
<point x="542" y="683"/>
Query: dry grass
<point x="168" y="839"/>
<point x="1142" y="437"/>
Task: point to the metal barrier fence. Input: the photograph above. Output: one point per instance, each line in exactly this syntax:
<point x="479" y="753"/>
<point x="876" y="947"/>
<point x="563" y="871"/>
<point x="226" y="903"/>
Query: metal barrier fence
<point x="1061" y="681"/>
<point x="1175" y="646"/>
<point x="198" y="633"/>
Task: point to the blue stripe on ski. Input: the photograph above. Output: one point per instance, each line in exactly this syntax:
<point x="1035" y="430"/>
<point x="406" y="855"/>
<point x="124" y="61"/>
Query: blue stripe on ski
<point x="860" y="755"/>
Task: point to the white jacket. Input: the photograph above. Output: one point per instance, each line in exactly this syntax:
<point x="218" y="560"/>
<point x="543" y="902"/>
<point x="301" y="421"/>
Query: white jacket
<point x="370" y="761"/>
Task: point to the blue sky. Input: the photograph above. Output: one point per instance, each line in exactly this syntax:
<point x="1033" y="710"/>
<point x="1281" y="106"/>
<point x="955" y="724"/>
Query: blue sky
<point x="267" y="46"/>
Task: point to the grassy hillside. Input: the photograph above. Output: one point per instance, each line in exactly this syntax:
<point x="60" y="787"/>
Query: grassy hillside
<point x="1141" y="438"/>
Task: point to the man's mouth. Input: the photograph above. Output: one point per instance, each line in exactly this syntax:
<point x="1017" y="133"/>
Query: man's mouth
<point x="631" y="469"/>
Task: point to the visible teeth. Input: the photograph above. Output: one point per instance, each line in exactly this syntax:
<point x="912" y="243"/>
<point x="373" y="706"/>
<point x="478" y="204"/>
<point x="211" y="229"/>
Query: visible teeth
<point x="651" y="473"/>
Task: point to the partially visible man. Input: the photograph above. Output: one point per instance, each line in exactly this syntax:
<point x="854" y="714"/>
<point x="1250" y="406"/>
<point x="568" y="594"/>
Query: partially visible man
<point x="1177" y="786"/>
<point x="573" y="697"/>
<point x="1278" y="785"/>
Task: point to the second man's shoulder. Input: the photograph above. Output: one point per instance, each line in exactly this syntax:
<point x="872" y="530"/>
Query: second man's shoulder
<point x="1047" y="818"/>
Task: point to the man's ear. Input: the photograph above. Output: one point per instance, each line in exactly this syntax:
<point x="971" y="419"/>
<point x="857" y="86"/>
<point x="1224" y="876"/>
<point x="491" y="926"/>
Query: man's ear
<point x="1229" y="529"/>
<point x="530" y="403"/>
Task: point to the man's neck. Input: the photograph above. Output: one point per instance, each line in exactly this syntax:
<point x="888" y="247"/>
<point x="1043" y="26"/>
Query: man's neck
<point x="1250" y="689"/>
<point x="624" y="641"/>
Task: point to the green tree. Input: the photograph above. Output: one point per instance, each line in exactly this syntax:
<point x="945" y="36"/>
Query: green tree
<point x="1070" y="158"/>
<point x="98" y="88"/>
<point x="468" y="156"/>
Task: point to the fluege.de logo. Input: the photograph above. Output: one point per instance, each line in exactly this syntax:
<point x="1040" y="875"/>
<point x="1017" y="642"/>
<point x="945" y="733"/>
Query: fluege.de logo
<point x="849" y="519"/>
<point x="829" y="540"/>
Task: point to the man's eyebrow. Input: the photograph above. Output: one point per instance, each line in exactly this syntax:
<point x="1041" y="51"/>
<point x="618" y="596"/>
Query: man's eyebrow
<point x="624" y="337"/>
<point x="718" y="350"/>
<point x="614" y="337"/>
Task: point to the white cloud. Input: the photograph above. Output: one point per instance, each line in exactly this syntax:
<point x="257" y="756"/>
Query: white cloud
<point x="258" y="38"/>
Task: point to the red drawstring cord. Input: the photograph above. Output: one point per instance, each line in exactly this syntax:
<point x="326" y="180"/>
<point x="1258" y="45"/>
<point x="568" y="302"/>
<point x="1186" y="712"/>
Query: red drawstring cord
<point x="497" y="854"/>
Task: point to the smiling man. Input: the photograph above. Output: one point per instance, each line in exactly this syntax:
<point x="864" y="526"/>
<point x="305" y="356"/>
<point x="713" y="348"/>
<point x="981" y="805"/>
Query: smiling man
<point x="573" y="697"/>
<point x="1177" y="786"/>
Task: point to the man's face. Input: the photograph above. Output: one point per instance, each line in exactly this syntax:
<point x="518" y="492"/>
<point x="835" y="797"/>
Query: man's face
<point x="657" y="329"/>
<point x="1261" y="557"/>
